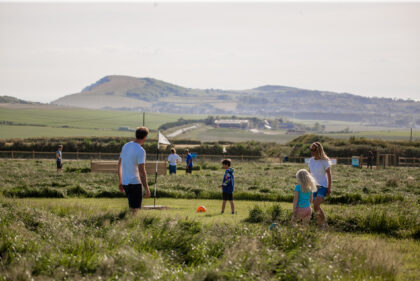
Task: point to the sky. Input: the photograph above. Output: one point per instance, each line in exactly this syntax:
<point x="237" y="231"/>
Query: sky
<point x="49" y="50"/>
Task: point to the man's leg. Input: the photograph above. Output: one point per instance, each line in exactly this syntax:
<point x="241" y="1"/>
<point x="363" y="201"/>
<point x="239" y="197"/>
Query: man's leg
<point x="232" y="206"/>
<point x="223" y="206"/>
<point x="134" y="211"/>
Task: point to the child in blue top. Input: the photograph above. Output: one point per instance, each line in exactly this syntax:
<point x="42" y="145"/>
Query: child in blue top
<point x="189" y="161"/>
<point x="302" y="200"/>
<point x="228" y="185"/>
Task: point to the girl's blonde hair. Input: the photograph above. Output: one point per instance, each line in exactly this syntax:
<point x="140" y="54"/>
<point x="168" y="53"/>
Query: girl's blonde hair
<point x="306" y="181"/>
<point x="319" y="151"/>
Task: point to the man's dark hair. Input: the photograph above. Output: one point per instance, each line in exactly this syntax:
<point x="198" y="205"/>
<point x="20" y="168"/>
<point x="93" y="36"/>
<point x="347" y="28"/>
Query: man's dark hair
<point x="227" y="162"/>
<point x="187" y="150"/>
<point x="141" y="133"/>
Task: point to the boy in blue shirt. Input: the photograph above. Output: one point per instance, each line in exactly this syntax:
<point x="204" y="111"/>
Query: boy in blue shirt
<point x="189" y="160"/>
<point x="228" y="185"/>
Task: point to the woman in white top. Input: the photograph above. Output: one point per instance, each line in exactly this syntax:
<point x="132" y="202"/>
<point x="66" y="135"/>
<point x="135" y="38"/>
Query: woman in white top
<point x="173" y="159"/>
<point x="320" y="168"/>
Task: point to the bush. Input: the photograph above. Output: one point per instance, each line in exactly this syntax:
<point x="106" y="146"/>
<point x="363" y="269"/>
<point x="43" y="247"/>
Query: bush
<point x="256" y="215"/>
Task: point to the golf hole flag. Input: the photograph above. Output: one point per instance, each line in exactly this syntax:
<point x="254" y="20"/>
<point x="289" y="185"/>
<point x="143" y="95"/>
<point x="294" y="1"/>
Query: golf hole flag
<point x="162" y="140"/>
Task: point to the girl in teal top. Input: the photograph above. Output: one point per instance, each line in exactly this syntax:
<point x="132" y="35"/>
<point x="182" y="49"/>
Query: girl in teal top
<point x="302" y="200"/>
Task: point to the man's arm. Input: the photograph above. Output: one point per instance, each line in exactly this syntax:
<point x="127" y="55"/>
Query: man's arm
<point x="120" y="176"/>
<point x="143" y="178"/>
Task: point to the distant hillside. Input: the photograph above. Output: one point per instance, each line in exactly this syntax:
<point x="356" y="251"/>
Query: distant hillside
<point x="8" y="99"/>
<point x="130" y="93"/>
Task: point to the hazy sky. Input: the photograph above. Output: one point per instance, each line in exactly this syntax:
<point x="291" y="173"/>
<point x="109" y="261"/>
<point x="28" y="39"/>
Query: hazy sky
<point x="50" y="50"/>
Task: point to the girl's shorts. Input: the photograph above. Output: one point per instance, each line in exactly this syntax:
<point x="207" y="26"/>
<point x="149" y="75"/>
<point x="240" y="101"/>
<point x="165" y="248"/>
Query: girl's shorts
<point x="304" y="212"/>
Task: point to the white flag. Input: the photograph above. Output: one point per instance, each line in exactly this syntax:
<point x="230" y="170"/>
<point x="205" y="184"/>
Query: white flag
<point x="163" y="140"/>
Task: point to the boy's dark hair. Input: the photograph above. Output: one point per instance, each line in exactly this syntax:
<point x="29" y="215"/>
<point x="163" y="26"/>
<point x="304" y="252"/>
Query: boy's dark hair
<point x="173" y="150"/>
<point x="227" y="162"/>
<point x="141" y="133"/>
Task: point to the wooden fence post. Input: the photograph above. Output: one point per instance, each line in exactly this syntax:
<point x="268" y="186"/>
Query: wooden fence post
<point x="99" y="156"/>
<point x="12" y="155"/>
<point x="77" y="155"/>
<point x="377" y="159"/>
<point x="33" y="154"/>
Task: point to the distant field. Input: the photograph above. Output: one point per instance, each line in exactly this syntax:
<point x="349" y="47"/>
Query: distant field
<point x="81" y="122"/>
<point x="34" y="131"/>
<point x="396" y="134"/>
<point x="65" y="122"/>
<point x="207" y="133"/>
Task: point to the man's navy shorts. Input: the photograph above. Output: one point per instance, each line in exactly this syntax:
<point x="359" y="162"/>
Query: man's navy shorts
<point x="227" y="196"/>
<point x="134" y="194"/>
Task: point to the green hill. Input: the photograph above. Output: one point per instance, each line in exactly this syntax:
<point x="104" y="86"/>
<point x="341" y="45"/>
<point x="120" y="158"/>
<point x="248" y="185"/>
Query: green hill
<point x="130" y="93"/>
<point x="13" y="100"/>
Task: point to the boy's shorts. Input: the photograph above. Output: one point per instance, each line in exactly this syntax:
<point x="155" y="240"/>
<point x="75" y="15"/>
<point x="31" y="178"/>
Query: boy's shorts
<point x="134" y="194"/>
<point x="321" y="192"/>
<point x="59" y="164"/>
<point x="227" y="196"/>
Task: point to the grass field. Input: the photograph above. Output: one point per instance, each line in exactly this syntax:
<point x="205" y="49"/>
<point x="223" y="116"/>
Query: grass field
<point x="208" y="133"/>
<point x="79" y="122"/>
<point x="374" y="227"/>
<point x="71" y="122"/>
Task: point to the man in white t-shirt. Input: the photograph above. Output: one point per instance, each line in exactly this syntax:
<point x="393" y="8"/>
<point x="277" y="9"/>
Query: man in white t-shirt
<point x="132" y="170"/>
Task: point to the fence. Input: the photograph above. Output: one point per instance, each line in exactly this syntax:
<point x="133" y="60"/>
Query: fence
<point x="381" y="160"/>
<point x="114" y="156"/>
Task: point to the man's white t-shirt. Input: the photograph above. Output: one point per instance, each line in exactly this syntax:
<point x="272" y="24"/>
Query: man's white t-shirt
<point x="132" y="154"/>
<point x="318" y="170"/>
<point x="172" y="158"/>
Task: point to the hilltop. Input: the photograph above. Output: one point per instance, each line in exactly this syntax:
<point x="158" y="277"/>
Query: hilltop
<point x="13" y="100"/>
<point x="131" y="93"/>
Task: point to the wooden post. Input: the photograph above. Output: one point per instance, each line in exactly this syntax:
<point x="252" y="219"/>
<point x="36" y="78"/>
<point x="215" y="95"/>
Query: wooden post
<point x="242" y="157"/>
<point x="12" y="155"/>
<point x="77" y="155"/>
<point x="99" y="156"/>
<point x="377" y="159"/>
<point x="361" y="161"/>
<point x="33" y="154"/>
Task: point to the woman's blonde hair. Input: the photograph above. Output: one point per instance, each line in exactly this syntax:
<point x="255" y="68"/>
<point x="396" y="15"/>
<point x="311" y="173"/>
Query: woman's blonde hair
<point x="319" y="151"/>
<point x="306" y="181"/>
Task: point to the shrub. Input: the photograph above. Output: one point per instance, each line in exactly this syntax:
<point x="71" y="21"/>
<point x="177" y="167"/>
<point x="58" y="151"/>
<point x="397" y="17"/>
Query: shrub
<point x="256" y="215"/>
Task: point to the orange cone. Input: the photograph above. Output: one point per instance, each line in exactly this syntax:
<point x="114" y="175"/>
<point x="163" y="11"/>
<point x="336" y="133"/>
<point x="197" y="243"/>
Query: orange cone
<point x="201" y="209"/>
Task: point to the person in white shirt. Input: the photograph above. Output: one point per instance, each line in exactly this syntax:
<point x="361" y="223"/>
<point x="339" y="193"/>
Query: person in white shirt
<point x="132" y="170"/>
<point x="320" y="168"/>
<point x="173" y="159"/>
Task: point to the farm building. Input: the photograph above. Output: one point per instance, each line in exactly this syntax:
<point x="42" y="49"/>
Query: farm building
<point x="226" y="123"/>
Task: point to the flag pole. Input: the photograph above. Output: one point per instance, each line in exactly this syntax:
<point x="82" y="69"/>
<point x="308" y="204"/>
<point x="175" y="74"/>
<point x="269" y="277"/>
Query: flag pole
<point x="156" y="171"/>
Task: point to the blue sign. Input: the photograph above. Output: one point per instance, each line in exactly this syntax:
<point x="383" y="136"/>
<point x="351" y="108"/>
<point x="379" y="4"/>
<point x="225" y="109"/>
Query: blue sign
<point x="355" y="162"/>
<point x="194" y="155"/>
